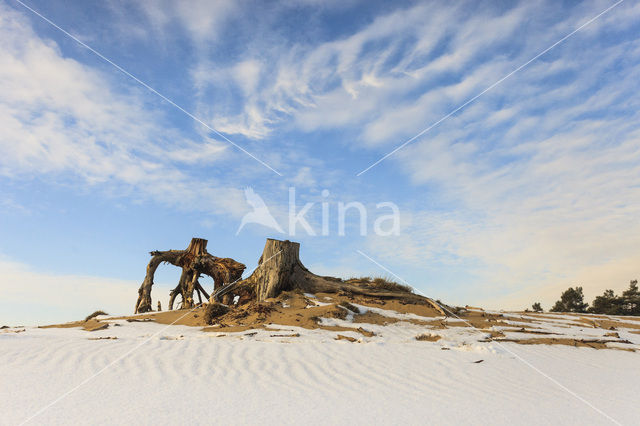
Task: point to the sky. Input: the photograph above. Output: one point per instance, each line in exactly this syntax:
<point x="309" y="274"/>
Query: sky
<point x="506" y="134"/>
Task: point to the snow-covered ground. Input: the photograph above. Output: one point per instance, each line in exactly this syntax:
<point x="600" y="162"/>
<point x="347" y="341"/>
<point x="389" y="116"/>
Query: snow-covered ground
<point x="158" y="374"/>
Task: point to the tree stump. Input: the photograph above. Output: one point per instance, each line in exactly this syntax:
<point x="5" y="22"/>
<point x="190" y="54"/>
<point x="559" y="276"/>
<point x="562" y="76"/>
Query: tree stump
<point x="194" y="261"/>
<point x="280" y="269"/>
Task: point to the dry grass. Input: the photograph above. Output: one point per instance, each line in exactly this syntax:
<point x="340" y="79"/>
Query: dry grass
<point x="350" y="307"/>
<point x="336" y="313"/>
<point x="428" y="337"/>
<point x="95" y="314"/>
<point x="213" y="311"/>
<point x="380" y="283"/>
<point x="348" y="338"/>
<point x="262" y="309"/>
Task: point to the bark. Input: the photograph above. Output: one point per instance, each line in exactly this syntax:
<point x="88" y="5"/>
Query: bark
<point x="280" y="269"/>
<point x="194" y="261"/>
<point x="202" y="290"/>
<point x="143" y="303"/>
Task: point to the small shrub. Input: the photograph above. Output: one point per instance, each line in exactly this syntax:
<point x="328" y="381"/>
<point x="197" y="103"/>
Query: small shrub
<point x="95" y="314"/>
<point x="213" y="311"/>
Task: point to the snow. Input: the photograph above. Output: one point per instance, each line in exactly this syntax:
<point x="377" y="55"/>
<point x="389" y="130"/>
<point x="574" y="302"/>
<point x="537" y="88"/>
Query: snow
<point x="313" y="299"/>
<point x="157" y="374"/>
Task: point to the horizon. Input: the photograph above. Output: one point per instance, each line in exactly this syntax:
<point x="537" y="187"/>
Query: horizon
<point x="504" y="141"/>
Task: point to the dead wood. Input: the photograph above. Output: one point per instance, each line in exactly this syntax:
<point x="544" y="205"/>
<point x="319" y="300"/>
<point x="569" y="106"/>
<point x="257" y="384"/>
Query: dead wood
<point x="194" y="261"/>
<point x="280" y="269"/>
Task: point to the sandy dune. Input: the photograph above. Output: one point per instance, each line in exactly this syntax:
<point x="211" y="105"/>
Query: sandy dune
<point x="158" y="373"/>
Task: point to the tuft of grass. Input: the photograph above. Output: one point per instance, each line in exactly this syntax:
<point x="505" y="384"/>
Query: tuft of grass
<point x="348" y="338"/>
<point x="213" y="311"/>
<point x="386" y="284"/>
<point x="262" y="308"/>
<point x="350" y="307"/>
<point x="380" y="283"/>
<point x="428" y="337"/>
<point x="95" y="314"/>
<point x="336" y="313"/>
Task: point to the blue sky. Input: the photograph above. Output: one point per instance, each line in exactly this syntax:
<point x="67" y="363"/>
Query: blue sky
<point x="530" y="188"/>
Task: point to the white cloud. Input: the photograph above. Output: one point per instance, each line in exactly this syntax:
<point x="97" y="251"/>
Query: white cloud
<point x="304" y="178"/>
<point x="426" y="61"/>
<point x="346" y="82"/>
<point x="203" y="20"/>
<point x="246" y="75"/>
<point x="35" y="298"/>
<point x="61" y="117"/>
<point x="541" y="176"/>
<point x="542" y="171"/>
<point x="565" y="213"/>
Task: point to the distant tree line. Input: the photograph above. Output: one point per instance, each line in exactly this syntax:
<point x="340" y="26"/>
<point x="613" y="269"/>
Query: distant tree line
<point x="572" y="300"/>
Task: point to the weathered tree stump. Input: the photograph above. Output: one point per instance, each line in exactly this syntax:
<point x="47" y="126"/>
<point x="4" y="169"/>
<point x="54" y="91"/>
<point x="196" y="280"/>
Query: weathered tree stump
<point x="280" y="269"/>
<point x="194" y="261"/>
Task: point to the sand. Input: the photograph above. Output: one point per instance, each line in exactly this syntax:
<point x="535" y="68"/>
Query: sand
<point x="306" y="359"/>
<point x="353" y="313"/>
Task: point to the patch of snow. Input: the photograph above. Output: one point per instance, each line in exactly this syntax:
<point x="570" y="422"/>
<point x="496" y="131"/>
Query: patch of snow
<point x="388" y="378"/>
